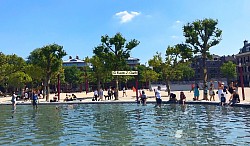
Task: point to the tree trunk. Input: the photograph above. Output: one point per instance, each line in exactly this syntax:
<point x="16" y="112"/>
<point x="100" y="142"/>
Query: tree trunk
<point x="117" y="88"/>
<point x="168" y="87"/>
<point x="204" y="73"/>
<point x="47" y="87"/>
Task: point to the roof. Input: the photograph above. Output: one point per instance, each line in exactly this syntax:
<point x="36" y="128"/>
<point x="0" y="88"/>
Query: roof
<point x="73" y="61"/>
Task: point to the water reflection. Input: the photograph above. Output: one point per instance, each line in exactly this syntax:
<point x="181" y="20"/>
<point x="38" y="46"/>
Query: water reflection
<point x="124" y="124"/>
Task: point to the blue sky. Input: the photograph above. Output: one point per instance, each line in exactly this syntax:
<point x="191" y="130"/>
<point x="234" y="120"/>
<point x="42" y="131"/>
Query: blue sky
<point x="78" y="25"/>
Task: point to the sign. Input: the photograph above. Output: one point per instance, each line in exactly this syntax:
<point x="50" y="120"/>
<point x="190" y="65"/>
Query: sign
<point x="121" y="73"/>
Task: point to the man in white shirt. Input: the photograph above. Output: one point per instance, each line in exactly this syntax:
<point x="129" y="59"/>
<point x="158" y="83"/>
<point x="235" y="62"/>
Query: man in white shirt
<point x="158" y="96"/>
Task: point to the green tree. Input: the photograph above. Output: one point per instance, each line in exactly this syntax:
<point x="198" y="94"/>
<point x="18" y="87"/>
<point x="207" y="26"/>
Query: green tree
<point x="49" y="58"/>
<point x="99" y="71"/>
<point x="228" y="70"/>
<point x="14" y="73"/>
<point x="114" y="51"/>
<point x="202" y="35"/>
<point x="175" y="64"/>
<point x="149" y="75"/>
<point x="73" y="75"/>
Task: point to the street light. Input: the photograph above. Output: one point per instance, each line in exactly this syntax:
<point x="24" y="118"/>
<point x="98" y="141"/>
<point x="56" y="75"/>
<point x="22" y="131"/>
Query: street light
<point x="58" y="86"/>
<point x="241" y="80"/>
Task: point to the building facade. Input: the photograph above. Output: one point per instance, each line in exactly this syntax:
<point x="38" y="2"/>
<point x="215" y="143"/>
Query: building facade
<point x="213" y="66"/>
<point x="75" y="62"/>
<point x="243" y="60"/>
<point x="132" y="62"/>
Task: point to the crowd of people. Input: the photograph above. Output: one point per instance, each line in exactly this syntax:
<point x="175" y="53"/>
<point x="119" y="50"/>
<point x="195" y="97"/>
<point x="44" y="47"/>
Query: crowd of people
<point x="226" y="94"/>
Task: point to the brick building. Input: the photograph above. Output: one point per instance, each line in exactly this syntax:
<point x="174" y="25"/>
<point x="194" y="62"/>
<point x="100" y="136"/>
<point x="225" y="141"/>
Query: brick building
<point x="213" y="66"/>
<point x="243" y="58"/>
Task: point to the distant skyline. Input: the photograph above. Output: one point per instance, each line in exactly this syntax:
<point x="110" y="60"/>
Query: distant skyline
<point x="78" y="25"/>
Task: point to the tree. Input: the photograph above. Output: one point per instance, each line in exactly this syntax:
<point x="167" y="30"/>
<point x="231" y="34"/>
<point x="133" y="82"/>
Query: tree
<point x="49" y="58"/>
<point x="202" y="35"/>
<point x="228" y="70"/>
<point x="114" y="51"/>
<point x="175" y="63"/>
<point x="73" y="75"/>
<point x="99" y="70"/>
<point x="13" y="72"/>
<point x="149" y="75"/>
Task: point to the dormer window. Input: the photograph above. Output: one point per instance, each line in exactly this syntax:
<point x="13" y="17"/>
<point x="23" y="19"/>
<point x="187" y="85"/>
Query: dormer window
<point x="247" y="48"/>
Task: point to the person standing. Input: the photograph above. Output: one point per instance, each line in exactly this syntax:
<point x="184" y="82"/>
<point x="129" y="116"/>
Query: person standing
<point x="158" y="96"/>
<point x="100" y="95"/>
<point x="143" y="98"/>
<point x="35" y="99"/>
<point x="196" y="92"/>
<point x="95" y="95"/>
<point x="231" y="89"/>
<point x="124" y="92"/>
<point x="109" y="93"/>
<point x="220" y="90"/>
<point x="182" y="98"/>
<point x="13" y="100"/>
<point x="211" y="91"/>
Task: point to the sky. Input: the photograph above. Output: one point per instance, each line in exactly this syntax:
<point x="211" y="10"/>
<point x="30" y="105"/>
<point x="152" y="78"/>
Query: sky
<point x="78" y="25"/>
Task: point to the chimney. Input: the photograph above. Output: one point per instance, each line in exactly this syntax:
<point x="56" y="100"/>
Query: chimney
<point x="245" y="42"/>
<point x="70" y="57"/>
<point x="77" y="57"/>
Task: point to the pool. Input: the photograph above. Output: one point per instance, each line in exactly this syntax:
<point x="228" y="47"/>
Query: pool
<point x="124" y="124"/>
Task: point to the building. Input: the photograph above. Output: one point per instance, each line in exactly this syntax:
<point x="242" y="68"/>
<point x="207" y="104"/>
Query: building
<point x="75" y="62"/>
<point x="213" y="66"/>
<point x="243" y="59"/>
<point x="132" y="62"/>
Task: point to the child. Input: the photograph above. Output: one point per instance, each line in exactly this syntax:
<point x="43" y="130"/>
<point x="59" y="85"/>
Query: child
<point x="143" y="98"/>
<point x="222" y="100"/>
<point x="182" y="98"/>
<point x="172" y="98"/>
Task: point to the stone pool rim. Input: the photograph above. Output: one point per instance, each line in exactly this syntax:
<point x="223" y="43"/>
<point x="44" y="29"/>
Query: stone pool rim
<point x="246" y="105"/>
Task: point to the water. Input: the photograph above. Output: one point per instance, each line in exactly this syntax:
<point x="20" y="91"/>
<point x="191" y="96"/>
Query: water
<point x="124" y="124"/>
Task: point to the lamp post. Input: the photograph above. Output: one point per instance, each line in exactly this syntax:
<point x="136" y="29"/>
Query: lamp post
<point x="241" y="80"/>
<point x="58" y="86"/>
<point x="86" y="81"/>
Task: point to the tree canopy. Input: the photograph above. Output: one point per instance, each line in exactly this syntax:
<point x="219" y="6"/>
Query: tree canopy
<point x="202" y="35"/>
<point x="114" y="51"/>
<point x="49" y="59"/>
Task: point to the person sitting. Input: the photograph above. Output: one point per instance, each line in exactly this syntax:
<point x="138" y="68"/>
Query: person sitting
<point x="74" y="97"/>
<point x="68" y="98"/>
<point x="235" y="99"/>
<point x="172" y="98"/>
<point x="182" y="98"/>
<point x="54" y="98"/>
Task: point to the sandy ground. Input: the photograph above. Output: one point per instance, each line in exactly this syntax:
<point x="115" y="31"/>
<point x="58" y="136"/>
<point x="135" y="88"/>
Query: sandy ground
<point x="131" y="96"/>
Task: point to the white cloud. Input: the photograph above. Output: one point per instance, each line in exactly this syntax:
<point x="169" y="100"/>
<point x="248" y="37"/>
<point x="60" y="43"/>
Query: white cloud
<point x="174" y="37"/>
<point x="125" y="16"/>
<point x="177" y="21"/>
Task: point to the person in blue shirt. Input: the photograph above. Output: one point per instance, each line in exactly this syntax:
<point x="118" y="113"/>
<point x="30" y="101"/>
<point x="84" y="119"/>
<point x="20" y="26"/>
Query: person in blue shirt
<point x="35" y="99"/>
